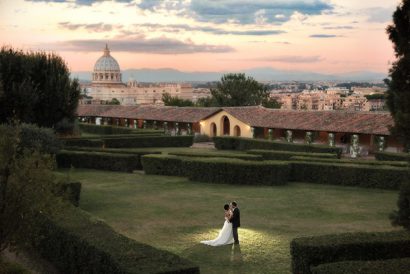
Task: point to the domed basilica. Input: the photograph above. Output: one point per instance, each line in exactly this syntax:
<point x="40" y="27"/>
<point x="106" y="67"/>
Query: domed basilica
<point x="107" y="84"/>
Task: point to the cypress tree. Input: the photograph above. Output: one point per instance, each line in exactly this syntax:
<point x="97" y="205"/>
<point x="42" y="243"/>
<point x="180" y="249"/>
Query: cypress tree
<point x="398" y="94"/>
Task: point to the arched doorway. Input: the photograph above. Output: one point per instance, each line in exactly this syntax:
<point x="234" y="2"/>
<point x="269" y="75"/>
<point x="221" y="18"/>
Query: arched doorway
<point x="237" y="131"/>
<point x="226" y="126"/>
<point x="213" y="130"/>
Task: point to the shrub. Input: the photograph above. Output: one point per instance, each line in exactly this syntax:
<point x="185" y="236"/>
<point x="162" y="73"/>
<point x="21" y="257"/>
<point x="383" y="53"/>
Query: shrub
<point x="70" y="191"/>
<point x="401" y="217"/>
<point x="105" y="129"/>
<point x="351" y="161"/>
<point x="81" y="142"/>
<point x="286" y="155"/>
<point x="98" y="160"/>
<point x="390" y="156"/>
<point x="235" y="171"/>
<point x="135" y="151"/>
<point x="12" y="268"/>
<point x="392" y="266"/>
<point x="75" y="242"/>
<point x="202" y="138"/>
<point x="42" y="139"/>
<point x="152" y="141"/>
<point x="218" y="170"/>
<point x="312" y="251"/>
<point x="164" y="165"/>
<point x="238" y="143"/>
<point x="385" y="177"/>
<point x="218" y="154"/>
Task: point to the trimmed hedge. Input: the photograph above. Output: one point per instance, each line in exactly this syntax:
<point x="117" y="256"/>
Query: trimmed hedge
<point x="218" y="170"/>
<point x="217" y="154"/>
<point x="70" y="191"/>
<point x="98" y="160"/>
<point x="401" y="217"/>
<point x="385" y="177"/>
<point x="391" y="156"/>
<point x="392" y="266"/>
<point x="76" y="242"/>
<point x="152" y="141"/>
<point x="160" y="164"/>
<point x="82" y="142"/>
<point x="351" y="161"/>
<point x="234" y="171"/>
<point x="308" y="252"/>
<point x="238" y="143"/>
<point x="106" y="129"/>
<point x="286" y="155"/>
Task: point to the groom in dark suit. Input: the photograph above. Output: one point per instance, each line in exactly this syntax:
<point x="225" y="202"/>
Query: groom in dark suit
<point x="236" y="221"/>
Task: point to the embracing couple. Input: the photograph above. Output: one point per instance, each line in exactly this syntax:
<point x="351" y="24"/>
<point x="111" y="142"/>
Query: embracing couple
<point x="229" y="232"/>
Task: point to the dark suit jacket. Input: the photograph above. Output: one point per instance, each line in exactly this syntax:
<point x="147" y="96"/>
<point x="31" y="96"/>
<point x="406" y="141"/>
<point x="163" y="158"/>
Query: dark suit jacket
<point x="236" y="218"/>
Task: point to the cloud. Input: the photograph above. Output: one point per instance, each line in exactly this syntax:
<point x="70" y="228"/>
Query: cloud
<point x="79" y="2"/>
<point x="156" y="46"/>
<point x="240" y="11"/>
<point x="339" y="27"/>
<point x="97" y="27"/>
<point x="217" y="31"/>
<point x="323" y="36"/>
<point x="294" y="59"/>
<point x="379" y="15"/>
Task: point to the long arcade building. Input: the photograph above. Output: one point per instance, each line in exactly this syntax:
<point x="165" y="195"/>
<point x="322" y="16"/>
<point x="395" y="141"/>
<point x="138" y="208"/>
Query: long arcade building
<point x="254" y="122"/>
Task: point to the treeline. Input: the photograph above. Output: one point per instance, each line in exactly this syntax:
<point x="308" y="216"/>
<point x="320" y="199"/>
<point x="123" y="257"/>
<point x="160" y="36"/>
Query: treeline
<point x="35" y="87"/>
<point x="232" y="90"/>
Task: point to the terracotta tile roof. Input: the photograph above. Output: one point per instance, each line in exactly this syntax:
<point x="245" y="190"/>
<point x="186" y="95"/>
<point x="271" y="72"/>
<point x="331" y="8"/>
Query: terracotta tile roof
<point x="330" y="121"/>
<point x="154" y="113"/>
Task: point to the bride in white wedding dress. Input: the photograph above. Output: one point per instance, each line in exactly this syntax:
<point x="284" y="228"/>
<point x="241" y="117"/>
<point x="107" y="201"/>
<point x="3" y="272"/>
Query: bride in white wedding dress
<point x="225" y="236"/>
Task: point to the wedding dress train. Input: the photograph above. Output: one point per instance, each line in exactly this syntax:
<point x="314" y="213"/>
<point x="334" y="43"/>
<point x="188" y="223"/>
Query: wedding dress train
<point x="225" y="236"/>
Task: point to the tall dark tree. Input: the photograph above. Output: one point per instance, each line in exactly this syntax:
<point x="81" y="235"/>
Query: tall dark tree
<point x="36" y="88"/>
<point x="398" y="94"/>
<point x="239" y="90"/>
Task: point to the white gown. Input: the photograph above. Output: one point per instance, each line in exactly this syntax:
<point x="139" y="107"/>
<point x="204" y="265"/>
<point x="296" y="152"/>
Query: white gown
<point x="225" y="236"/>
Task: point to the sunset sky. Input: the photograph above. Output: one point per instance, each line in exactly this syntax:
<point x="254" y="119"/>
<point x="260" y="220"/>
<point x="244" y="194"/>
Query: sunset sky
<point x="206" y="35"/>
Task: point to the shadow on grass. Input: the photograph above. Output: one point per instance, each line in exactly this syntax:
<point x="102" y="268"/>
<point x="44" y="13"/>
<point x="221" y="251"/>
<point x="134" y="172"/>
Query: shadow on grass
<point x="222" y="256"/>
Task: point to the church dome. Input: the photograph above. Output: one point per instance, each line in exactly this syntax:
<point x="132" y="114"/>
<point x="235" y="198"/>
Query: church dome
<point x="106" y="69"/>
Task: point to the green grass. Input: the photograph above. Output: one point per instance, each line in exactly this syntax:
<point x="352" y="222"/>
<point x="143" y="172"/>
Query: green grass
<point x="175" y="214"/>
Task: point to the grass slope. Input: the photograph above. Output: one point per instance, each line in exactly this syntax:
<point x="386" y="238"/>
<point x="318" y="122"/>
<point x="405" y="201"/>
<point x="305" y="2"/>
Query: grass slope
<point x="175" y="214"/>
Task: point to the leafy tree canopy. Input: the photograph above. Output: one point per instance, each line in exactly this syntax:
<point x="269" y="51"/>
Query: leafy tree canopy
<point x="398" y="94"/>
<point x="239" y="90"/>
<point x="175" y="101"/>
<point x="36" y="88"/>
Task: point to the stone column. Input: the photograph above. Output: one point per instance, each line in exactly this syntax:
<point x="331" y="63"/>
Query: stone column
<point x="165" y="125"/>
<point x="309" y="137"/>
<point x="135" y="123"/>
<point x="144" y="124"/>
<point x="126" y="122"/>
<point x="354" y="146"/>
<point x="270" y="134"/>
<point x="117" y="122"/>
<point x="177" y="131"/>
<point x="253" y="132"/>
<point x="189" y="129"/>
<point x="331" y="139"/>
<point x="154" y="125"/>
<point x="381" y="143"/>
<point x="289" y="136"/>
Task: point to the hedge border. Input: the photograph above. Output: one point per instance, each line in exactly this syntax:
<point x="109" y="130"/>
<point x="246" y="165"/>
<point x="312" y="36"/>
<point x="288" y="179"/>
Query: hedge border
<point x="391" y="156"/>
<point x="308" y="252"/>
<point x="384" y="177"/>
<point x="241" y="156"/>
<point x="351" y="161"/>
<point x="109" y="129"/>
<point x="76" y="242"/>
<point x="391" y="266"/>
<point x="240" y="143"/>
<point x="152" y="141"/>
<point x="286" y="155"/>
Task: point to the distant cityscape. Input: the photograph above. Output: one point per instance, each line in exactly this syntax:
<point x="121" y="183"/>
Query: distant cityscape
<point x="107" y="85"/>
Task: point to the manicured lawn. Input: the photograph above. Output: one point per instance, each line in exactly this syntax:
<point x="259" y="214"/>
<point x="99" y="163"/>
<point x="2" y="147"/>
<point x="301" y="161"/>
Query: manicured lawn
<point x="175" y="214"/>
